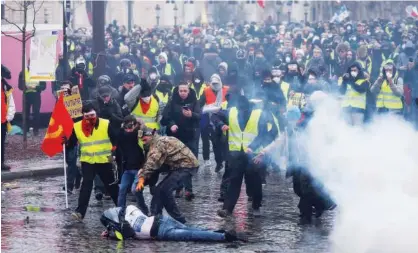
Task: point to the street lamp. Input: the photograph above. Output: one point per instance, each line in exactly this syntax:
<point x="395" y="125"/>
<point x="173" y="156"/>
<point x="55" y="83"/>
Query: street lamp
<point x="175" y="9"/>
<point x="306" y="8"/>
<point x="157" y="13"/>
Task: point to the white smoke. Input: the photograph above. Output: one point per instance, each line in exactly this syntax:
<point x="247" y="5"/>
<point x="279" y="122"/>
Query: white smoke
<point x="372" y="174"/>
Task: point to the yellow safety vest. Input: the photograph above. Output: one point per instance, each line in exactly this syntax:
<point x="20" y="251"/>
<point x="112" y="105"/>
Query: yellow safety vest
<point x="386" y="98"/>
<point x="202" y="89"/>
<point x="29" y="82"/>
<point x="298" y="99"/>
<point x="97" y="147"/>
<point x="354" y="99"/>
<point x="150" y="118"/>
<point x="240" y="140"/>
<point x="163" y="98"/>
<point x="285" y="89"/>
<point x="90" y="69"/>
<point x="366" y="67"/>
<point x="167" y="69"/>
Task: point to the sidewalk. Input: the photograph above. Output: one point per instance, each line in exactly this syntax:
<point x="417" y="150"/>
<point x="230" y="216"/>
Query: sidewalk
<point x="33" y="168"/>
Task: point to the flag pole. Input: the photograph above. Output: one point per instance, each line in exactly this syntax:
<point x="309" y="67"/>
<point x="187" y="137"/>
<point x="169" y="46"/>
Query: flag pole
<point x="65" y="177"/>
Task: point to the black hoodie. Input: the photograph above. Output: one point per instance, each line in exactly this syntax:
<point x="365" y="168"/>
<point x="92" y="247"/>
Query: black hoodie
<point x="173" y="115"/>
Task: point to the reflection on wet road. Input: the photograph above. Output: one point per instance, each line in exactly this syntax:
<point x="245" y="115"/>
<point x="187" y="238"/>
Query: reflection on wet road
<point x="34" y="219"/>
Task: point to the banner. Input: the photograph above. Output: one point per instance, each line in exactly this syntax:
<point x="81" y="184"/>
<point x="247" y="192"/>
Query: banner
<point x="43" y="57"/>
<point x="72" y="101"/>
<point x="341" y="15"/>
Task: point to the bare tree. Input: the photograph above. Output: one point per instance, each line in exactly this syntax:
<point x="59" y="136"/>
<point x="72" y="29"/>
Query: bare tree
<point x="24" y="34"/>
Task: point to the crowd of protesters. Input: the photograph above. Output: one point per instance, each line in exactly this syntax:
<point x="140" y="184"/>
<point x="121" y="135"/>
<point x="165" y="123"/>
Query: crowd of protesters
<point x="233" y="86"/>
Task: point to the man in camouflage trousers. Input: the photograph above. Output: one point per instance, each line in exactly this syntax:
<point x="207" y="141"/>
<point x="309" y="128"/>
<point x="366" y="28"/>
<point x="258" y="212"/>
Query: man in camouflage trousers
<point x="182" y="164"/>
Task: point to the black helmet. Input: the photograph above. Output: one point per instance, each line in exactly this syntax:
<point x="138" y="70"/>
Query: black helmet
<point x="104" y="80"/>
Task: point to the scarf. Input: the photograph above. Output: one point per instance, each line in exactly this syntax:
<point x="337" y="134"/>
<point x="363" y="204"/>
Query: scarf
<point x="87" y="126"/>
<point x="80" y="79"/>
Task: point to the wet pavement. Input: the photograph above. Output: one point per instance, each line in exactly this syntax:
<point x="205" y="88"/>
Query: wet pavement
<point x="28" y="228"/>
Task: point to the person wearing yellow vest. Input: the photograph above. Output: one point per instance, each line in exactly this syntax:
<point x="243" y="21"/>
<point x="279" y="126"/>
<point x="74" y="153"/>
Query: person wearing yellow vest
<point x="389" y="90"/>
<point x="8" y="111"/>
<point x="248" y="131"/>
<point x="164" y="67"/>
<point x="353" y="88"/>
<point x="198" y="84"/>
<point x="32" y="91"/>
<point x="163" y="91"/>
<point x="96" y="140"/>
<point x="147" y="107"/>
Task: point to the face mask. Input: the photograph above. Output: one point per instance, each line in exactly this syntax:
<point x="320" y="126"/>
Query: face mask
<point x="276" y="79"/>
<point x="389" y="75"/>
<point x="287" y="59"/>
<point x="146" y="99"/>
<point x="354" y="74"/>
<point x="197" y="80"/>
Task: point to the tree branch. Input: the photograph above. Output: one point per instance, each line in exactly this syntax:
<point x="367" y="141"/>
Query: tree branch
<point x="35" y="11"/>
<point x="9" y="22"/>
<point x="8" y="35"/>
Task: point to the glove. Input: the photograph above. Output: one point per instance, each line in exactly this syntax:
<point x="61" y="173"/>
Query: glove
<point x="140" y="185"/>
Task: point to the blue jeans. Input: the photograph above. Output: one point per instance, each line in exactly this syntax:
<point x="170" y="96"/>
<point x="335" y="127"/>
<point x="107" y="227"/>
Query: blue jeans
<point x="127" y="180"/>
<point x="172" y="230"/>
<point x="73" y="173"/>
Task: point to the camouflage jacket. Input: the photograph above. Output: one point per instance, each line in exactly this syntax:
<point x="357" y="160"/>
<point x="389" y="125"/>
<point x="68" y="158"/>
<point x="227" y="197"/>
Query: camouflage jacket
<point x="170" y="151"/>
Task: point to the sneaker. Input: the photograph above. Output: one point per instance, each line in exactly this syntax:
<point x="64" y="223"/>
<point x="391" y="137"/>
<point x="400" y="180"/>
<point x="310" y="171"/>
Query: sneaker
<point x="178" y="194"/>
<point x="99" y="196"/>
<point x="218" y="168"/>
<point x="189" y="196"/>
<point x="77" y="216"/>
<point x="223" y="213"/>
<point x="256" y="212"/>
<point x="207" y="163"/>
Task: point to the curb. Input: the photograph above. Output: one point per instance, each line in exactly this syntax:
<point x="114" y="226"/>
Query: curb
<point x="12" y="175"/>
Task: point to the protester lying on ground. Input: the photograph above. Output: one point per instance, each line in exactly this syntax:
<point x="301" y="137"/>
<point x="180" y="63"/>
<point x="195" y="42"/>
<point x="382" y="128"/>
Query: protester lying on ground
<point x="133" y="224"/>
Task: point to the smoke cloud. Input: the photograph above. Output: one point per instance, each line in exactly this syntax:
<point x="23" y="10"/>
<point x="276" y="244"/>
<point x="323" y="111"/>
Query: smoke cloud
<point x="372" y="174"/>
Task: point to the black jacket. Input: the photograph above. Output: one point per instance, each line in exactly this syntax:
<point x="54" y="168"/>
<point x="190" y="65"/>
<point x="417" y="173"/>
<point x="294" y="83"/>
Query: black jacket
<point x="110" y="111"/>
<point x="88" y="83"/>
<point x="132" y="154"/>
<point x="173" y="115"/>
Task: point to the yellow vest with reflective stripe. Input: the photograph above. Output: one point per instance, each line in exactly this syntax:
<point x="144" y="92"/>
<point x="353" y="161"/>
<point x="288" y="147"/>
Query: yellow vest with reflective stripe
<point x="97" y="147"/>
<point x="29" y="82"/>
<point x="354" y="99"/>
<point x="150" y="118"/>
<point x="163" y="98"/>
<point x="202" y="89"/>
<point x="90" y="69"/>
<point x="367" y="68"/>
<point x="240" y="140"/>
<point x="386" y="98"/>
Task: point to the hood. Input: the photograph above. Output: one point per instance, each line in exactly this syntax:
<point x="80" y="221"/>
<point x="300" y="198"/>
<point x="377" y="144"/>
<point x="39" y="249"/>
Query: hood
<point x="215" y="78"/>
<point x="192" y="98"/>
<point x="358" y="65"/>
<point x="164" y="55"/>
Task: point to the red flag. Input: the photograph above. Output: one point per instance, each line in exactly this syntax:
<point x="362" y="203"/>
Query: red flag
<point x="261" y="3"/>
<point x="60" y="124"/>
